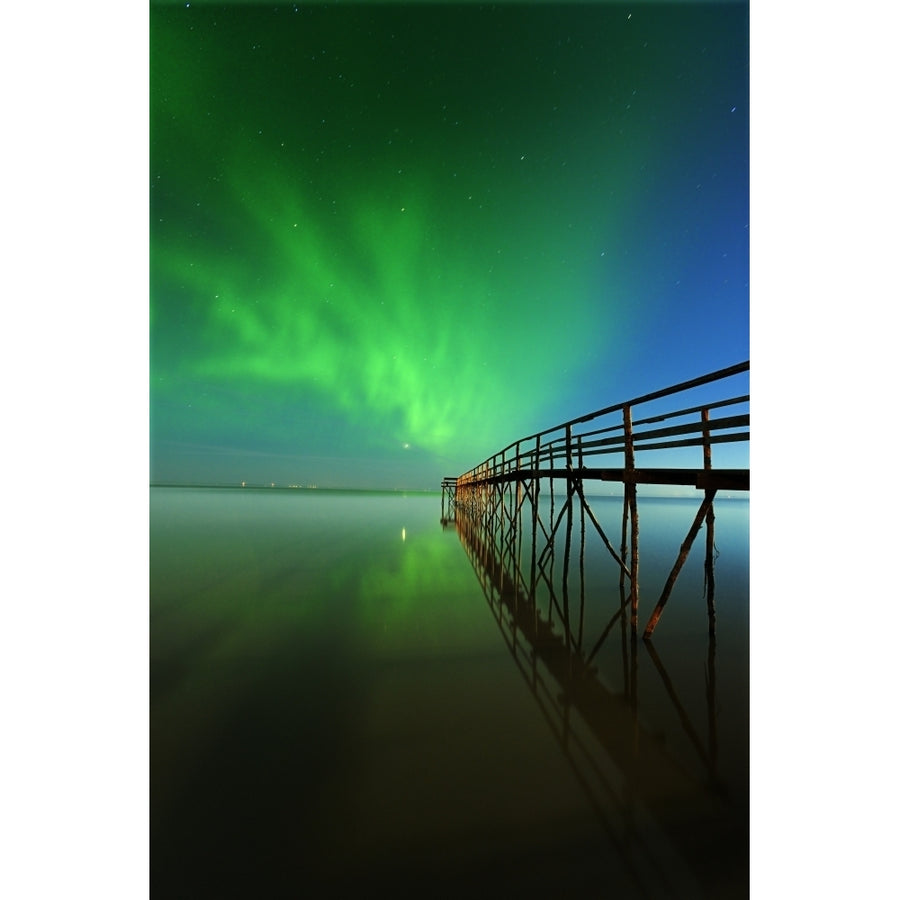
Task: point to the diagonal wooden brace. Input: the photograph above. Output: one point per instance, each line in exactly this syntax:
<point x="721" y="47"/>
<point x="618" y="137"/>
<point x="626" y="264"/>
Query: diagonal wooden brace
<point x="682" y="556"/>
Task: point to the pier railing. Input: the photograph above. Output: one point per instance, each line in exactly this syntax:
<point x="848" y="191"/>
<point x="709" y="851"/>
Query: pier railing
<point x="640" y="425"/>
<point x="665" y="437"/>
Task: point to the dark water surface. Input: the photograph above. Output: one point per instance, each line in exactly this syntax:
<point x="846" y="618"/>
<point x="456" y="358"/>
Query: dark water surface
<point x="340" y="706"/>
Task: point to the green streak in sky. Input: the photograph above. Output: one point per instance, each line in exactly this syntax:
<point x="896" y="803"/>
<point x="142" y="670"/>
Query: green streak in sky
<point x="394" y="308"/>
<point x="379" y="230"/>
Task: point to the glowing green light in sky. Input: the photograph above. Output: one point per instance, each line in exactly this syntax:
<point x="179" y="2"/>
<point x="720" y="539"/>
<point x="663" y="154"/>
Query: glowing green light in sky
<point x="387" y="314"/>
<point x="413" y="237"/>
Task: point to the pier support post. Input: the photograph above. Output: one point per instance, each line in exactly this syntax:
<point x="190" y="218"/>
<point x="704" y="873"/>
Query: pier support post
<point x="709" y="569"/>
<point x="631" y="504"/>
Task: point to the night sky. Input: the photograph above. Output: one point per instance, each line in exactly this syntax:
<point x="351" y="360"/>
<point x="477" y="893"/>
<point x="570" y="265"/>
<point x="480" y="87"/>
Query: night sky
<point x="386" y="241"/>
<point x="643" y="265"/>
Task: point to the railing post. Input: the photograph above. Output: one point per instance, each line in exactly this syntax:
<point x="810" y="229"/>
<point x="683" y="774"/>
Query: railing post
<point x="568" y="545"/>
<point x="707" y="447"/>
<point x="499" y="495"/>
<point x="581" y="550"/>
<point x="552" y="480"/>
<point x="535" y="493"/>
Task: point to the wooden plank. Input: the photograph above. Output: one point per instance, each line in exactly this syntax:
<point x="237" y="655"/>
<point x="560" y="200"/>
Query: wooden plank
<point x="731" y="478"/>
<point x="728" y="438"/>
<point x="724" y="480"/>
<point x="693" y="409"/>
<point x="720" y="424"/>
<point x="663" y="417"/>
<point x="720" y="479"/>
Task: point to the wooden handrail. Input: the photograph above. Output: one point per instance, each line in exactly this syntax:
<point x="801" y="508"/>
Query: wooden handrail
<point x="558" y="442"/>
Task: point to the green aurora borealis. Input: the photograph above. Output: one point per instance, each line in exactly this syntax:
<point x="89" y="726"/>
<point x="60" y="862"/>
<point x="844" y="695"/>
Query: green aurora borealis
<point x="388" y="240"/>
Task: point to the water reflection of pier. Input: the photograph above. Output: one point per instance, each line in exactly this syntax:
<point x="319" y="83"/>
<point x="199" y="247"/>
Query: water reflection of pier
<point x="528" y="550"/>
<point x="633" y="784"/>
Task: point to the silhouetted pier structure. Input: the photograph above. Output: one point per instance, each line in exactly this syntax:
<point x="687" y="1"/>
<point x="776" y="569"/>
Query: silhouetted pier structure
<point x="659" y="427"/>
<point x="524" y="517"/>
<point x="448" y="499"/>
<point x="627" y="773"/>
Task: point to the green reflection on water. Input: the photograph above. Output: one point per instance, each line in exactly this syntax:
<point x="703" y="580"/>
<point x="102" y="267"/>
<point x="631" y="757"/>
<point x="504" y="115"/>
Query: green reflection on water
<point x="421" y="601"/>
<point x="327" y="690"/>
<point x="329" y="693"/>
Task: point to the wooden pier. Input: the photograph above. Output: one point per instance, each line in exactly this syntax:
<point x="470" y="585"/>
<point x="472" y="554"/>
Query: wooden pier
<point x="633" y="443"/>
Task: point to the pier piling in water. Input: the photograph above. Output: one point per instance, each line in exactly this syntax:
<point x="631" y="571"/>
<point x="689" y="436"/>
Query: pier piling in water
<point x="657" y="426"/>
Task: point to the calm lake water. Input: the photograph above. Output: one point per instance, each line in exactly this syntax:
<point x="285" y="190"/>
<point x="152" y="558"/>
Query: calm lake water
<point x="342" y="703"/>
